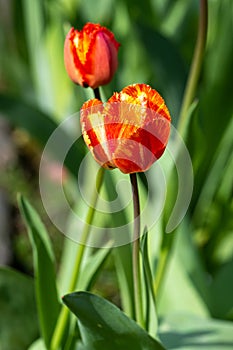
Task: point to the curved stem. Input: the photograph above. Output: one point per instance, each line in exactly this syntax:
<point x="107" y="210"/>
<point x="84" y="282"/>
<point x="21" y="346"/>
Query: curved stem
<point x="168" y="239"/>
<point x="136" y="253"/>
<point x="196" y="65"/>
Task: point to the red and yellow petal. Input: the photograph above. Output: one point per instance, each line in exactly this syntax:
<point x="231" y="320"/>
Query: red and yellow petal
<point x="90" y="55"/>
<point x="130" y="131"/>
<point x="93" y="130"/>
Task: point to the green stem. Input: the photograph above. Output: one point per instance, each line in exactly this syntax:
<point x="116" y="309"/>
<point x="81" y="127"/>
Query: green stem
<point x="64" y="313"/>
<point x="136" y="253"/>
<point x="189" y="94"/>
<point x="196" y="65"/>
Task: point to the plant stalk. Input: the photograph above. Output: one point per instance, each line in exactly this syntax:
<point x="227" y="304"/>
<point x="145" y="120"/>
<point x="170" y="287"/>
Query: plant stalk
<point x="195" y="70"/>
<point x="136" y="253"/>
<point x="189" y="94"/>
<point x="64" y="314"/>
<point x="97" y="93"/>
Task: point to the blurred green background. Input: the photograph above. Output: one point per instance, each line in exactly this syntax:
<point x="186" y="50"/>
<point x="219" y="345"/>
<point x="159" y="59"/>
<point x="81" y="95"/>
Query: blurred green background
<point x="157" y="40"/>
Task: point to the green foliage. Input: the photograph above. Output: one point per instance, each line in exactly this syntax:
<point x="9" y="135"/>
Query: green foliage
<point x="150" y="300"/>
<point x="40" y="127"/>
<point x="91" y="266"/>
<point x="104" y="326"/>
<point x="185" y="287"/>
<point x="189" y="332"/>
<point x="37" y="345"/>
<point x="221" y="297"/>
<point x="45" y="281"/>
<point x="157" y="41"/>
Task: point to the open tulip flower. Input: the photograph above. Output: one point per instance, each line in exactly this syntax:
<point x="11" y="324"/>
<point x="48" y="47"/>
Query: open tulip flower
<point x="90" y="55"/>
<point x="130" y="131"/>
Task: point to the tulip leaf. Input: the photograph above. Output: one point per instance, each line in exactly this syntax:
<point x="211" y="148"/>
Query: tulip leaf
<point x="151" y="317"/>
<point x="44" y="269"/>
<point x="91" y="266"/>
<point x="221" y="296"/>
<point x="217" y="171"/>
<point x="190" y="332"/>
<point x="185" y="272"/>
<point x="37" y="345"/>
<point x="124" y="274"/>
<point x="104" y="326"/>
<point x="18" y="310"/>
<point x="214" y="98"/>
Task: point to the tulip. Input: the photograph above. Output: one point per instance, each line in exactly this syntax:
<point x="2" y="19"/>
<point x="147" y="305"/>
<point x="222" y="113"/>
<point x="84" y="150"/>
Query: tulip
<point x="90" y="55"/>
<point x="130" y="131"/>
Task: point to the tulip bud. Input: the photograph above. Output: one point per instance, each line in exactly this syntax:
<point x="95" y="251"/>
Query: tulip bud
<point x="91" y="55"/>
<point x="130" y="131"/>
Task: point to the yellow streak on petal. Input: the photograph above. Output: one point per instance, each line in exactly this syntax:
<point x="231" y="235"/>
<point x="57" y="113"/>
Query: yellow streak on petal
<point x="97" y="123"/>
<point x="87" y="140"/>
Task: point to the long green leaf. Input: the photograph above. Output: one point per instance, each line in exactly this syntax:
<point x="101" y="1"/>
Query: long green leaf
<point x="185" y="288"/>
<point x="89" y="271"/>
<point x="91" y="268"/>
<point x="45" y="279"/>
<point x="151" y="314"/>
<point x="214" y="178"/>
<point x="215" y="104"/>
<point x="104" y="326"/>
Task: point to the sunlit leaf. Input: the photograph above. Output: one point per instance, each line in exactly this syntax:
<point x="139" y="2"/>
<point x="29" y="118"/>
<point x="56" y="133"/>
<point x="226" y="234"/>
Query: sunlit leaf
<point x="185" y="286"/>
<point x="188" y="332"/>
<point x="37" y="345"/>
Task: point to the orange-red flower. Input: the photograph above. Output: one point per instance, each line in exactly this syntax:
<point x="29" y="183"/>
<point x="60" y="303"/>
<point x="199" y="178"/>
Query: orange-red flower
<point x="90" y="55"/>
<point x="130" y="131"/>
